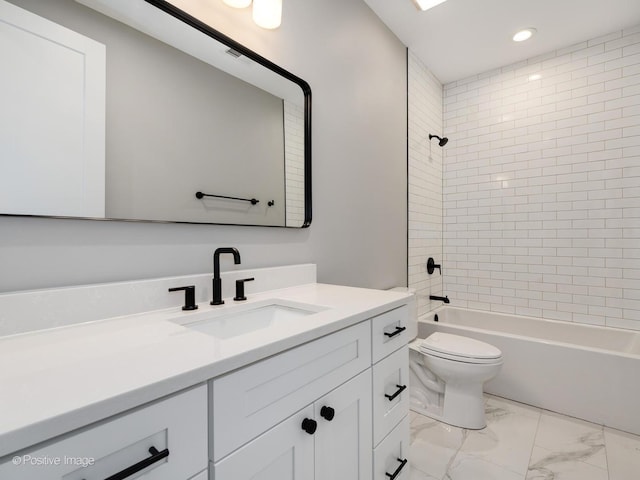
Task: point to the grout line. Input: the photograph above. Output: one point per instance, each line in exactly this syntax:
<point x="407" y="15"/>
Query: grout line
<point x="606" y="453"/>
<point x="533" y="444"/>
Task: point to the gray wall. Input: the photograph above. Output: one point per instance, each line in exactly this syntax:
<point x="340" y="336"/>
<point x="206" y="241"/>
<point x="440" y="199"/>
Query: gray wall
<point x="357" y="71"/>
<point x="157" y="161"/>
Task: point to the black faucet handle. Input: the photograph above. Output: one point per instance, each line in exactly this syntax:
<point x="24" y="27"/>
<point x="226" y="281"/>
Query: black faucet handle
<point x="240" y="289"/>
<point x="431" y="266"/>
<point x="189" y="296"/>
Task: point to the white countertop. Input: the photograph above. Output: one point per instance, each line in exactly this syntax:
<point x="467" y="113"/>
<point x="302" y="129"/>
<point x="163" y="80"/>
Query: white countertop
<point x="55" y="381"/>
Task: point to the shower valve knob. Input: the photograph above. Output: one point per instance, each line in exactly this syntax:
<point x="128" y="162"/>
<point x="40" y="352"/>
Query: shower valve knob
<point x="431" y="266"/>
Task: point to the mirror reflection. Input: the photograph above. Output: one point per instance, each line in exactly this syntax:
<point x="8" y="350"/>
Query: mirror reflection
<point x="118" y="109"/>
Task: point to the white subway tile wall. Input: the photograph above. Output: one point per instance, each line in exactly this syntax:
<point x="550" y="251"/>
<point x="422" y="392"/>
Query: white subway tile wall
<point x="541" y="185"/>
<point x="425" y="182"/>
<point x="294" y="163"/>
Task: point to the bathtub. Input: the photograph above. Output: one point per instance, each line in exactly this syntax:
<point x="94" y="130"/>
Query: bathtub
<point x="584" y="371"/>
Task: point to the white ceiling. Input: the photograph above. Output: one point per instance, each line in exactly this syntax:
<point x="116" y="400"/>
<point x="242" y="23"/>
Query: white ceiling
<point x="460" y="38"/>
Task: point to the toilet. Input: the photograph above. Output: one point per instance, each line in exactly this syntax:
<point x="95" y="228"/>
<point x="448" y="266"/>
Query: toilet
<point x="447" y="373"/>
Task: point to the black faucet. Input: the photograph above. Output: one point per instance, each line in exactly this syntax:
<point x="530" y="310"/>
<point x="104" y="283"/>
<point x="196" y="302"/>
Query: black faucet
<point x="442" y="299"/>
<point x="217" y="281"/>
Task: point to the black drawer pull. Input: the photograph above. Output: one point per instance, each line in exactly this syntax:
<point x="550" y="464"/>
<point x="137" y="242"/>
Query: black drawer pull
<point x="309" y="425"/>
<point x="397" y="331"/>
<point x="398" y="470"/>
<point x="156" y="456"/>
<point x="398" y="392"/>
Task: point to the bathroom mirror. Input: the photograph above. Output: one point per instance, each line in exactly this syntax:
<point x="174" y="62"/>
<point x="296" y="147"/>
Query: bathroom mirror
<point x="189" y="126"/>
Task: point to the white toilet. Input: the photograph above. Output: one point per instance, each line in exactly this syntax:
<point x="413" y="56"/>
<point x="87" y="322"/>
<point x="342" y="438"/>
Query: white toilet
<point x="447" y="373"/>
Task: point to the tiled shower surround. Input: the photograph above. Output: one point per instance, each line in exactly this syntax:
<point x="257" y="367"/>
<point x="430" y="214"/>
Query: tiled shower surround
<point x="541" y="186"/>
<point x="425" y="182"/>
<point x="294" y="163"/>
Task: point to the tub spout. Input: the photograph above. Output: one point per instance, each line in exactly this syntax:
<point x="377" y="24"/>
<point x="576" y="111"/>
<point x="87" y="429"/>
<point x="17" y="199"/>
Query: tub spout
<point x="441" y="299"/>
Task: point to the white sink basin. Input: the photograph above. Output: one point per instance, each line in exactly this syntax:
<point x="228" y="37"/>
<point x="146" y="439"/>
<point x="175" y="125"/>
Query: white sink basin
<point x="251" y="318"/>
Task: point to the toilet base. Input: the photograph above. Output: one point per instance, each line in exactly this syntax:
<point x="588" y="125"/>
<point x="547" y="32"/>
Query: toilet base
<point x="462" y="408"/>
<point x="470" y="416"/>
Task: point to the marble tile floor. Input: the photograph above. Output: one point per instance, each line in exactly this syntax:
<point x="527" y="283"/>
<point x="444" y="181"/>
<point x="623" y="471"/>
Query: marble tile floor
<point x="522" y="442"/>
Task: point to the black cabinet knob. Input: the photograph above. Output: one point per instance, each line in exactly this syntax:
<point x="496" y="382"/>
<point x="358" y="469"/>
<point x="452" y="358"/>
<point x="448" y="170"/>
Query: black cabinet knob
<point x="309" y="425"/>
<point x="327" y="413"/>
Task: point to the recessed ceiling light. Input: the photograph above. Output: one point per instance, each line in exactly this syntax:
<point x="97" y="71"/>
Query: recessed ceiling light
<point x="427" y="4"/>
<point x="523" y="35"/>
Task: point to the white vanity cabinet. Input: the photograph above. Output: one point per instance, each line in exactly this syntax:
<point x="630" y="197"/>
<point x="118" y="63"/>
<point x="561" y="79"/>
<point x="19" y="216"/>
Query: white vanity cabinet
<point x="309" y="407"/>
<point x="253" y="399"/>
<point x="390" y="336"/>
<point x="323" y="397"/>
<point x="320" y="411"/>
<point x="166" y="440"/>
<point x="336" y="443"/>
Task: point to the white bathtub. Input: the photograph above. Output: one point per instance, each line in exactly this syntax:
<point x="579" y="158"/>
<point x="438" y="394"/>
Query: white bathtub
<point x="584" y="371"/>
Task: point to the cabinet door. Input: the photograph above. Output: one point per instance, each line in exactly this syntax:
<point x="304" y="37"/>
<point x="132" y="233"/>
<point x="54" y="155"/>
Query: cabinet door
<point x="283" y="453"/>
<point x="343" y="438"/>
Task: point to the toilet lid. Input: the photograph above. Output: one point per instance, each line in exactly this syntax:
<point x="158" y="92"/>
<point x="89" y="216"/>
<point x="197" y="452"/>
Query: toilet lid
<point x="465" y="348"/>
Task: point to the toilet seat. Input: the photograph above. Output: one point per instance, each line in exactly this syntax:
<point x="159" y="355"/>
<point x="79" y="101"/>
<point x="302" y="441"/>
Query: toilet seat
<point x="460" y="349"/>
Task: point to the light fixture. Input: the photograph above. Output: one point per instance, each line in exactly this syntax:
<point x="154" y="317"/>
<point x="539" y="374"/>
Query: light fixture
<point x="238" y="3"/>
<point x="524" y="34"/>
<point x="267" y="13"/>
<point x="427" y="4"/>
<point x="534" y="77"/>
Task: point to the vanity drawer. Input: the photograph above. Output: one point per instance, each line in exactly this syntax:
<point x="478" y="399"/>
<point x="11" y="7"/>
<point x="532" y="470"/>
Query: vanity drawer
<point x="251" y="400"/>
<point x="392" y="455"/>
<point x="175" y="427"/>
<point x="390" y="379"/>
<point x="389" y="331"/>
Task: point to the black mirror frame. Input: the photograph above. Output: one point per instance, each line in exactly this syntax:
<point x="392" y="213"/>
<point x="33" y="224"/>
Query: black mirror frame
<point x="306" y="89"/>
<point x="220" y="37"/>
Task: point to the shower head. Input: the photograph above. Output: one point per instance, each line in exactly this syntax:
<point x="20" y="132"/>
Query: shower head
<point x="442" y="141"/>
